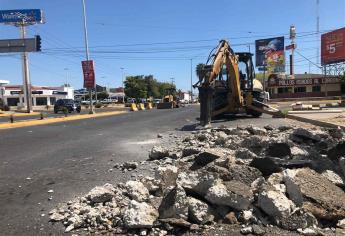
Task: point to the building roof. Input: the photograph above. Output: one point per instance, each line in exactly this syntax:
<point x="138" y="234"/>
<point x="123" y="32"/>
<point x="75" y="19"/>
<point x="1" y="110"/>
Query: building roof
<point x="4" y="82"/>
<point x="33" y="88"/>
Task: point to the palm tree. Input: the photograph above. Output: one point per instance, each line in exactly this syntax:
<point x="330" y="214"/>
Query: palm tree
<point x="200" y="70"/>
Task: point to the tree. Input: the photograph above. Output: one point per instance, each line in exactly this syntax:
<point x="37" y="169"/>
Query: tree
<point x="135" y="87"/>
<point x="141" y="86"/>
<point x="102" y="95"/>
<point x="199" y="70"/>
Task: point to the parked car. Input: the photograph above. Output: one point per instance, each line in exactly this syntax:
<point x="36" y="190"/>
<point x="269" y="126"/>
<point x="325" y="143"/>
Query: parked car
<point x="109" y="100"/>
<point x="131" y="100"/>
<point x="69" y="104"/>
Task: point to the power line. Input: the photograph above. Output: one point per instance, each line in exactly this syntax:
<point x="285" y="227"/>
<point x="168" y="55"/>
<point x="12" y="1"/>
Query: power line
<point x="307" y="59"/>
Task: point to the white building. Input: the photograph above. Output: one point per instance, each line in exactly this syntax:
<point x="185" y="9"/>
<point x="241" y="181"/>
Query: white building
<point x="13" y="95"/>
<point x="184" y="96"/>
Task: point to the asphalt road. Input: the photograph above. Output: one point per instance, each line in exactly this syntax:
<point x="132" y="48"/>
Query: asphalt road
<point x="72" y="157"/>
<point x="59" y="114"/>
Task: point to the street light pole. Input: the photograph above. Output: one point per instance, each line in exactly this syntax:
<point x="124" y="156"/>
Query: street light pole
<point x="87" y="52"/>
<point x="191" y="80"/>
<point x="123" y="87"/>
<point x="26" y="73"/>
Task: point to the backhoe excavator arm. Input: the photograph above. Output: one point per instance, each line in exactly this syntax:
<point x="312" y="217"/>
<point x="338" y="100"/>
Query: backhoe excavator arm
<point x="223" y="55"/>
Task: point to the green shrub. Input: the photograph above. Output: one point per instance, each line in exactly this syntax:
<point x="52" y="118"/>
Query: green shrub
<point x="65" y="111"/>
<point x="98" y="105"/>
<point x="6" y="108"/>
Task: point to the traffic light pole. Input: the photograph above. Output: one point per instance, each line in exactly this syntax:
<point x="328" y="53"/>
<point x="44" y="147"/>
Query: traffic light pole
<point x="26" y="74"/>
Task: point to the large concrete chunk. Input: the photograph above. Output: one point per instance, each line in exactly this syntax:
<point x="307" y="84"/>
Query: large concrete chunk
<point x="315" y="193"/>
<point x="101" y="193"/>
<point x="207" y="156"/>
<point x="243" y="173"/>
<point x="231" y="193"/>
<point x="337" y="151"/>
<point x="137" y="191"/>
<point x="167" y="175"/>
<point x="199" y="212"/>
<point x="139" y="215"/>
<point x="278" y="150"/>
<point x="275" y="204"/>
<point x="198" y="182"/>
<point x="304" y="135"/>
<point x="158" y="152"/>
<point x="174" y="204"/>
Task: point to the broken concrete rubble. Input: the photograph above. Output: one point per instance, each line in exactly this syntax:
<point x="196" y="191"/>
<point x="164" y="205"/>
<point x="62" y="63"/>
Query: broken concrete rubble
<point x="158" y="152"/>
<point x="232" y="193"/>
<point x="101" y="193"/>
<point x="246" y="175"/>
<point x="324" y="199"/>
<point x="137" y="191"/>
<point x="199" y="212"/>
<point x="275" y="204"/>
<point x="139" y="215"/>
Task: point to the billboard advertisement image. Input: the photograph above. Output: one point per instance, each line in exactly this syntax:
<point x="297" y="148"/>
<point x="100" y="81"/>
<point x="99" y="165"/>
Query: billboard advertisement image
<point x="270" y="53"/>
<point x="333" y="47"/>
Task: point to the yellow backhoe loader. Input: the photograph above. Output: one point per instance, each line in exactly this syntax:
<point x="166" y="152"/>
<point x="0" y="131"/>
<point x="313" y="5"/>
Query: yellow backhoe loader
<point x="227" y="84"/>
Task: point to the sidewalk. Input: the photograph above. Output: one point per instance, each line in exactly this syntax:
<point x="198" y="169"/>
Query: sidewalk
<point x="329" y="117"/>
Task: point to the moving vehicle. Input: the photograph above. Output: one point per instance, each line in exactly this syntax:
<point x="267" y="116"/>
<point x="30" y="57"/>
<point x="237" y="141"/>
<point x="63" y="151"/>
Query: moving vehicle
<point x="227" y="84"/>
<point x="169" y="102"/>
<point x="68" y="104"/>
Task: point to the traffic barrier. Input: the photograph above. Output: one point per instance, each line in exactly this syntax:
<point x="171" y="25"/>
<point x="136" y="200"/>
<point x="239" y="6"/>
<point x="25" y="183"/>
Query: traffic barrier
<point x="134" y="107"/>
<point x="141" y="106"/>
<point x="149" y="106"/>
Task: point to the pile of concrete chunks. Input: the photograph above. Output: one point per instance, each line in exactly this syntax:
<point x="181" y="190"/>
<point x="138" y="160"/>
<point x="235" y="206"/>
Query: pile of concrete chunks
<point x="289" y="177"/>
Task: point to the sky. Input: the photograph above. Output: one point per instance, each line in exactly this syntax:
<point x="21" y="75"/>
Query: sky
<point x="159" y="37"/>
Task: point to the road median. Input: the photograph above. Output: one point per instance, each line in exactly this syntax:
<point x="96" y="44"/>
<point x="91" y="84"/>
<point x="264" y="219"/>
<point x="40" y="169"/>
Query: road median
<point x="57" y="120"/>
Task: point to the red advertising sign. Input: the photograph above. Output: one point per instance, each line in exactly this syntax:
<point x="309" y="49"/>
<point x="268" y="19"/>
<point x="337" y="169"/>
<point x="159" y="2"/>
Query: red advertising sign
<point x="89" y="74"/>
<point x="333" y="47"/>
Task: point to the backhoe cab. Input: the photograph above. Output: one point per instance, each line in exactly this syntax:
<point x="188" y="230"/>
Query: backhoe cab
<point x="227" y="85"/>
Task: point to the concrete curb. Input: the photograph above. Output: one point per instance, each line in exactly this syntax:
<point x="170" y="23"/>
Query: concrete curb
<point x="315" y="122"/>
<point x="315" y="111"/>
<point x="27" y="123"/>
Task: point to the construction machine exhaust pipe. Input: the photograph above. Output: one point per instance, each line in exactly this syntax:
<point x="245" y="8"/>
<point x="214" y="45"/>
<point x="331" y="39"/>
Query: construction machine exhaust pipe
<point x="206" y="100"/>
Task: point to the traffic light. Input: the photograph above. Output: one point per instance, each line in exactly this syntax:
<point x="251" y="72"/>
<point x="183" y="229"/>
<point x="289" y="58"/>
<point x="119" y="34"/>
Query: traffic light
<point x="38" y="43"/>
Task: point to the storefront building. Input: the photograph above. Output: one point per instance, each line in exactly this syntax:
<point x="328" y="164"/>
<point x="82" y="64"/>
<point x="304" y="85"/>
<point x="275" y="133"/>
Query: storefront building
<point x="13" y="95"/>
<point x="310" y="86"/>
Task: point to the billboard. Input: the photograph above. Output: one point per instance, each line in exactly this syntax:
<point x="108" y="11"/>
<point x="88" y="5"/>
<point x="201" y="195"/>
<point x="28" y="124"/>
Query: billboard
<point x="89" y="74"/>
<point x="333" y="47"/>
<point x="270" y="53"/>
<point x="26" y="16"/>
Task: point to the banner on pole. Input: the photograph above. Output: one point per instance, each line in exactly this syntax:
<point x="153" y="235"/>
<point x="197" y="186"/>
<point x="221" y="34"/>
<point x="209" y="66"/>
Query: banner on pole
<point x="89" y="74"/>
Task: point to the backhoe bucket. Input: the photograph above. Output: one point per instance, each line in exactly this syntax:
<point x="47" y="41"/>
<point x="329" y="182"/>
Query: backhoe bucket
<point x="206" y="100"/>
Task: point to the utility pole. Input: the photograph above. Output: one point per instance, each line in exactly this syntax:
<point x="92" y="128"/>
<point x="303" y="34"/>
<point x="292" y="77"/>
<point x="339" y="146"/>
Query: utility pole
<point x="87" y="53"/>
<point x="26" y="73"/>
<point x="317" y="32"/>
<point x="123" y="87"/>
<point x="292" y="37"/>
<point x="191" y="80"/>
